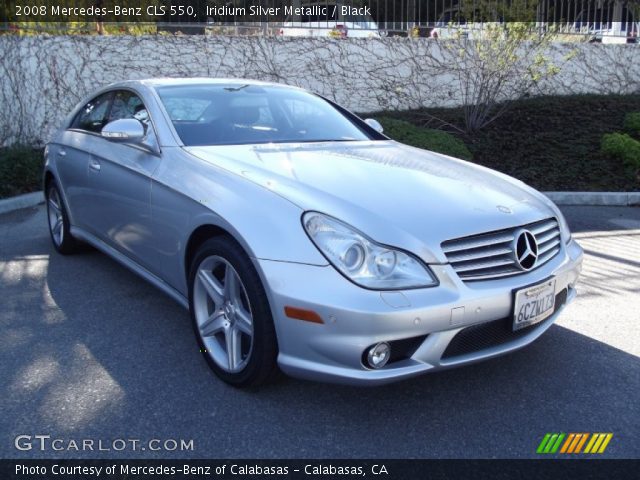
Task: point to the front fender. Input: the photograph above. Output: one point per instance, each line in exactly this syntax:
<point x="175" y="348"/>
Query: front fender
<point x="188" y="193"/>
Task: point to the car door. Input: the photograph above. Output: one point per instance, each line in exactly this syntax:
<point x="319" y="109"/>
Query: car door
<point x="120" y="185"/>
<point x="73" y="153"/>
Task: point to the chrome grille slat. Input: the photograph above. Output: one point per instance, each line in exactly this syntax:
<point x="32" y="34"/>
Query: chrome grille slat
<point x="545" y="249"/>
<point x="482" y="254"/>
<point x="490" y="255"/>
<point x="467" y="245"/>
<point x="501" y="270"/>
<point x="549" y="236"/>
<point x="484" y="266"/>
<point x="548" y="256"/>
<point x="470" y="278"/>
<point x="543" y="227"/>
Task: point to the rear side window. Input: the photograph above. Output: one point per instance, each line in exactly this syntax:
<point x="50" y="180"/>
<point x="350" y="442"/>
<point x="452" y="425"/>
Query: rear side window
<point x="93" y="116"/>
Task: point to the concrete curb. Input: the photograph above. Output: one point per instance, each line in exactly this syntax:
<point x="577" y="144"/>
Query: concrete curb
<point x="21" y="201"/>
<point x="602" y="199"/>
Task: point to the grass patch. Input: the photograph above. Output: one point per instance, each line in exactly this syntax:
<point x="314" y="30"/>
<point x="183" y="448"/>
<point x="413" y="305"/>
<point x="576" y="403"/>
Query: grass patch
<point x="20" y="170"/>
<point x="551" y="143"/>
<point x="429" y="139"/>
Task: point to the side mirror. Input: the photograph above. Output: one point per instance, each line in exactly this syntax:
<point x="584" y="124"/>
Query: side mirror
<point x="373" y="124"/>
<point x="125" y="130"/>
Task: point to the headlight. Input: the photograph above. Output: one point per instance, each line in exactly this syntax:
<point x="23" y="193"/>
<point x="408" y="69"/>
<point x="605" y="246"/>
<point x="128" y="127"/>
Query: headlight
<point x="363" y="261"/>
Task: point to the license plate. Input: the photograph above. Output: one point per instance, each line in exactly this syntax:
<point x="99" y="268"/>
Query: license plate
<point x="533" y="304"/>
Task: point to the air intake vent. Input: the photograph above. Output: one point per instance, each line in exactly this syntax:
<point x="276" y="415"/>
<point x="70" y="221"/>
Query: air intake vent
<point x="492" y="334"/>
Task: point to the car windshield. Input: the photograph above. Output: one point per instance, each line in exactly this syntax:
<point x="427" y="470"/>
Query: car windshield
<point x="218" y="114"/>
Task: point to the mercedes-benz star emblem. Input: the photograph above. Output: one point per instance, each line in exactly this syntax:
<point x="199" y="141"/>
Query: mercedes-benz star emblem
<point x="525" y="249"/>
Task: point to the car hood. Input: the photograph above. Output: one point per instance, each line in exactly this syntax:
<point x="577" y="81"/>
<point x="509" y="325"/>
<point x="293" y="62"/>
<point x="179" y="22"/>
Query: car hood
<point x="395" y="194"/>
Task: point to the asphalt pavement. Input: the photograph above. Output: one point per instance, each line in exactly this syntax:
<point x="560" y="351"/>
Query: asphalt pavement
<point x="88" y="351"/>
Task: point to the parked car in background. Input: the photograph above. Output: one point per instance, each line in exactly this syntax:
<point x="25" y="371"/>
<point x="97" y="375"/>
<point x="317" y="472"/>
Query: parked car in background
<point x="300" y="237"/>
<point x="327" y="20"/>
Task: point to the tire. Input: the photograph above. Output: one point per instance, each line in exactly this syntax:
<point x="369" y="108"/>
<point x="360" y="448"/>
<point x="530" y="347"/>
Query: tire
<point x="230" y="313"/>
<point x="58" y="221"/>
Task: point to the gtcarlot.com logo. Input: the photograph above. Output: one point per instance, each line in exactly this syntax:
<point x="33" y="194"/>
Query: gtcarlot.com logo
<point x="48" y="443"/>
<point x="574" y="443"/>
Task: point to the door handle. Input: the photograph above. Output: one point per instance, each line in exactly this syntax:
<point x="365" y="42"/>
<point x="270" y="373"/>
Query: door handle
<point x="94" y="165"/>
<point x="62" y="153"/>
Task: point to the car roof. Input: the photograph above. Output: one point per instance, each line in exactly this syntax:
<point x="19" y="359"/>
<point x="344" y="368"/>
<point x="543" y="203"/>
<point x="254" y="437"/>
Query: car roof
<point x="162" y="82"/>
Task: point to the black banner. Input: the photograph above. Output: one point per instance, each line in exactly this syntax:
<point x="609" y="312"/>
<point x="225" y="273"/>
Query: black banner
<point x="319" y="469"/>
<point x="387" y="13"/>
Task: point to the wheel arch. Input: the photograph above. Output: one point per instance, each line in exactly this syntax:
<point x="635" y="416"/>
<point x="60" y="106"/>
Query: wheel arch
<point x="201" y="234"/>
<point x="50" y="176"/>
<point x="47" y="179"/>
<point x="205" y="231"/>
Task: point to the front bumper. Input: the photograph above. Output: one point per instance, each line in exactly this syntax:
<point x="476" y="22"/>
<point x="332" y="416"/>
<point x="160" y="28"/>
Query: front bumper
<point x="355" y="318"/>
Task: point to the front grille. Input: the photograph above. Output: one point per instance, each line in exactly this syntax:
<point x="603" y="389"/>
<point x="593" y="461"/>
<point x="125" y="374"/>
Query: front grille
<point x="491" y="334"/>
<point x="491" y="255"/>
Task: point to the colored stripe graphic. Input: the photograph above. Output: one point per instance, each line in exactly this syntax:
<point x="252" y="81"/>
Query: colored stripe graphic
<point x="581" y="443"/>
<point x="576" y="444"/>
<point x="598" y="443"/>
<point x="605" y="443"/>
<point x="543" y="443"/>
<point x="573" y="443"/>
<point x="556" y="445"/>
<point x="550" y="443"/>
<point x="592" y="440"/>
<point x="570" y="439"/>
<point x="577" y="437"/>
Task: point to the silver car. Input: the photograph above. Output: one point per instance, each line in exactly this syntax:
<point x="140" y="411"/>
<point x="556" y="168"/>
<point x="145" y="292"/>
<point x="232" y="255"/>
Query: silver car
<point x="300" y="238"/>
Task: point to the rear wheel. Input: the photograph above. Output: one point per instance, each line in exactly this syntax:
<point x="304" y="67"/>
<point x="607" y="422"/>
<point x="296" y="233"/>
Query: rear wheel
<point x="231" y="315"/>
<point x="58" y="220"/>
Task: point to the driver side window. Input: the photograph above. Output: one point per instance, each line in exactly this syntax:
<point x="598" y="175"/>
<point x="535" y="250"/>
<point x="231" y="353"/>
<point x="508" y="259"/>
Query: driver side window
<point x="92" y="117"/>
<point x="127" y="104"/>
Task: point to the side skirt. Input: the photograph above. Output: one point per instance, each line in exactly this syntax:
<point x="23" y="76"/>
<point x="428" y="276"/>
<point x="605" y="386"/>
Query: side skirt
<point x="131" y="265"/>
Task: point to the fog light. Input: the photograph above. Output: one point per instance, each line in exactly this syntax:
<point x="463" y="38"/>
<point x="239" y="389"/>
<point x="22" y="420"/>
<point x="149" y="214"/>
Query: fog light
<point x="378" y="355"/>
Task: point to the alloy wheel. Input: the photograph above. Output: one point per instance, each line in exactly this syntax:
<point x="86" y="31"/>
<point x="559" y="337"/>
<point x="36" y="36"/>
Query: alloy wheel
<point x="56" y="216"/>
<point x="223" y="314"/>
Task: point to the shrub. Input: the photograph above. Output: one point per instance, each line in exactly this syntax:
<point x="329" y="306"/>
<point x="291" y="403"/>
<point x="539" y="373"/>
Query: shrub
<point x="435" y="140"/>
<point x="622" y="147"/>
<point x="20" y="170"/>
<point x="632" y="123"/>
